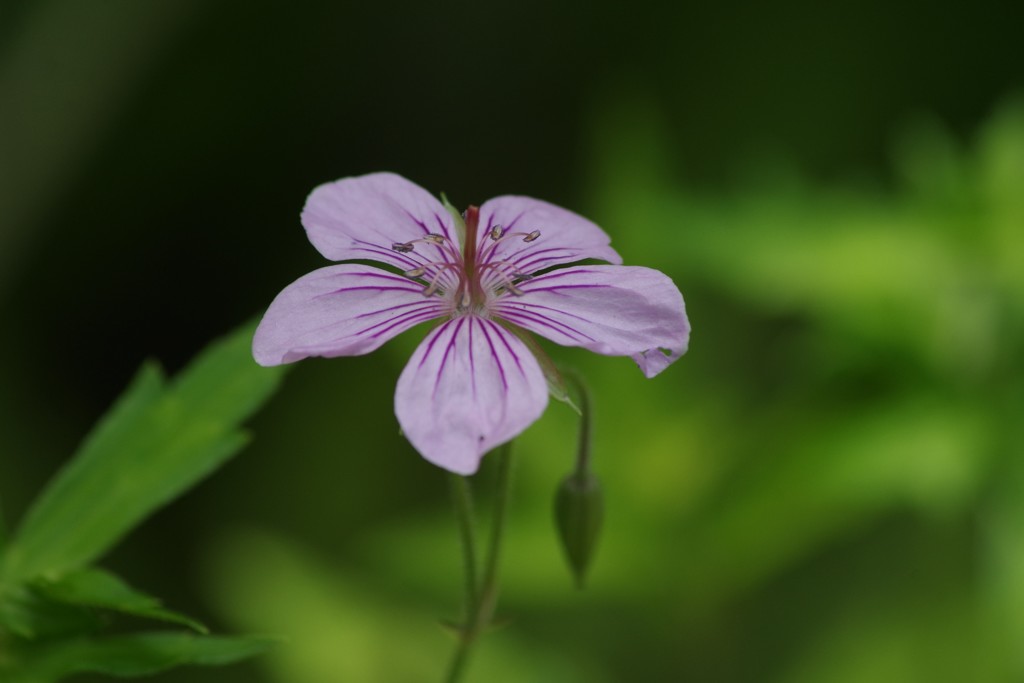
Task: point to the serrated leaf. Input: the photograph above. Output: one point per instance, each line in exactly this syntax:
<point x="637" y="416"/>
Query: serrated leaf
<point x="97" y="588"/>
<point x="156" y="442"/>
<point x="128" y="656"/>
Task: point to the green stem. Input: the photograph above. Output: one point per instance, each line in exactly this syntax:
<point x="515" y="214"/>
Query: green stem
<point x="583" y="448"/>
<point x="467" y="534"/>
<point x="489" y="591"/>
<point x="481" y="610"/>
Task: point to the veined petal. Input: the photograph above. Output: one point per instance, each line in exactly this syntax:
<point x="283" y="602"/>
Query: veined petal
<point x="564" y="237"/>
<point x="363" y="216"/>
<point x="470" y="386"/>
<point x="612" y="310"/>
<point x="343" y="310"/>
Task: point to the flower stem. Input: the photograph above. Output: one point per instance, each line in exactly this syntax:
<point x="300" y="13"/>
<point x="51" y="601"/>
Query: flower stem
<point x="582" y="469"/>
<point x="480" y="605"/>
<point x="467" y="535"/>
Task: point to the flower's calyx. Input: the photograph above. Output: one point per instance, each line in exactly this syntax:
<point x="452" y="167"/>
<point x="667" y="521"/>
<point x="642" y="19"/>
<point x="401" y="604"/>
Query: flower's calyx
<point x="457" y="218"/>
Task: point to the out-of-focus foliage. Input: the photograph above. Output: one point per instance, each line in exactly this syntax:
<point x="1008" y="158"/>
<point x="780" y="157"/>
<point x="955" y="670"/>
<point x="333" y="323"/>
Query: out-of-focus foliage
<point x="826" y="489"/>
<point x="879" y="337"/>
<point x="341" y="627"/>
<point x="157" y="441"/>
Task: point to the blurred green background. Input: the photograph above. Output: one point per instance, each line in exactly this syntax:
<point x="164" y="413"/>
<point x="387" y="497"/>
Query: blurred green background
<point x="828" y="488"/>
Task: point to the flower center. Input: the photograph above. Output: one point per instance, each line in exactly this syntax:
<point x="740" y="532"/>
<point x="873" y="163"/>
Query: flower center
<point x="471" y="277"/>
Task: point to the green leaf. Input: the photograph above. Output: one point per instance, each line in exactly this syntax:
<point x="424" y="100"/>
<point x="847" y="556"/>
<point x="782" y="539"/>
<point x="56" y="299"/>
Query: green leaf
<point x="94" y="587"/>
<point x="3" y="527"/>
<point x="57" y="504"/>
<point x="128" y="656"/>
<point x="27" y="614"/>
<point x="156" y="442"/>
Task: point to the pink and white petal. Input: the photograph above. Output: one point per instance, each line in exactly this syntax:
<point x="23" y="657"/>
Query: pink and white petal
<point x="612" y="310"/>
<point x="363" y="216"/>
<point x="470" y="386"/>
<point x="565" y="237"/>
<point x="343" y="310"/>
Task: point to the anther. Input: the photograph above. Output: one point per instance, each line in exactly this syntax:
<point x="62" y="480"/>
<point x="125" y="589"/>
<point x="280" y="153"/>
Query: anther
<point x="496" y="232"/>
<point x="402" y="247"/>
<point x="532" y="236"/>
<point x="434" y="283"/>
<point x="434" y="239"/>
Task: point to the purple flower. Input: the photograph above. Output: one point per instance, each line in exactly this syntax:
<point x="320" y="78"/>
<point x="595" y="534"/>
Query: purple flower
<point x="502" y="269"/>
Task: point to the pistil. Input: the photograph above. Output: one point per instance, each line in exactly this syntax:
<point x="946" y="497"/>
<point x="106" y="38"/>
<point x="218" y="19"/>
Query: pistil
<point x="472" y="266"/>
<point x="472" y="294"/>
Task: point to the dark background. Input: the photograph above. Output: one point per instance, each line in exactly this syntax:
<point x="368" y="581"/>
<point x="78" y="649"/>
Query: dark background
<point x="153" y="161"/>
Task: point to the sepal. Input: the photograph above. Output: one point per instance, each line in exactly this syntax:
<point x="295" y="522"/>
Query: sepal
<point x="457" y="219"/>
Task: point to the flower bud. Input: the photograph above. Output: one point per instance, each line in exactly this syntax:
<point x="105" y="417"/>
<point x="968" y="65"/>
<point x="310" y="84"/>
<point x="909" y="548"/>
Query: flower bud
<point x="579" y="510"/>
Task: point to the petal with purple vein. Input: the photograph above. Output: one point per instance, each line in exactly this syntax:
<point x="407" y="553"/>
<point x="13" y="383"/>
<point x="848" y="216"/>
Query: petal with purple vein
<point x="470" y="386"/>
<point x="612" y="310"/>
<point x="343" y="310"/>
<point x="363" y="216"/>
<point x="565" y="237"/>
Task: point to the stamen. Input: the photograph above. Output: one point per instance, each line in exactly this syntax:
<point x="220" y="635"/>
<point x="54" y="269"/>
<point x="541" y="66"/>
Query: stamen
<point x="441" y="241"/>
<point x="431" y="238"/>
<point x="496" y="232"/>
<point x="491" y="248"/>
<point x="508" y="280"/>
<point x="436" y="280"/>
<point x="508" y="284"/>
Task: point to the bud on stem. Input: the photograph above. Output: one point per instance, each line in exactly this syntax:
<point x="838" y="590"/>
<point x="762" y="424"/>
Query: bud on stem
<point x="579" y="511"/>
<point x="579" y="502"/>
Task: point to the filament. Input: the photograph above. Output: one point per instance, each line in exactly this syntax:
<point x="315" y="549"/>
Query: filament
<point x="508" y="280"/>
<point x="431" y="238"/>
<point x="499" y="234"/>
